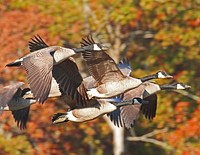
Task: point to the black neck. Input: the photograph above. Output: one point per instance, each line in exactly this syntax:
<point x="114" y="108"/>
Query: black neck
<point x="148" y="77"/>
<point x="124" y="103"/>
<point x="167" y="87"/>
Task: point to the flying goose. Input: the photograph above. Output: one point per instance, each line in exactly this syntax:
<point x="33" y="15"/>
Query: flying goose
<point x="11" y="99"/>
<point x="110" y="80"/>
<point x="98" y="108"/>
<point x="40" y="63"/>
<point x="126" y="116"/>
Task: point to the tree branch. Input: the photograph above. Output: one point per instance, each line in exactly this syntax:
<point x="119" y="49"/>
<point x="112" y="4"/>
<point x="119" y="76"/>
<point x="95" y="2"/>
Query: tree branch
<point x="150" y="140"/>
<point x="145" y="138"/>
<point x="155" y="132"/>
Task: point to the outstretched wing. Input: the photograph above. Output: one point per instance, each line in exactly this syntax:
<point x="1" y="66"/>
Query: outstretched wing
<point x="70" y="80"/>
<point x="130" y="114"/>
<point x="36" y="43"/>
<point x="39" y="74"/>
<point x="21" y="117"/>
<point x="100" y="65"/>
<point x="116" y="118"/>
<point x="125" y="116"/>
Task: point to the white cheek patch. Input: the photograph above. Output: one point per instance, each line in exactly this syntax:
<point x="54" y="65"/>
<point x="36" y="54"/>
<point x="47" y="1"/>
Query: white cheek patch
<point x="160" y="75"/>
<point x="136" y="101"/>
<point x="179" y="86"/>
<point x="96" y="48"/>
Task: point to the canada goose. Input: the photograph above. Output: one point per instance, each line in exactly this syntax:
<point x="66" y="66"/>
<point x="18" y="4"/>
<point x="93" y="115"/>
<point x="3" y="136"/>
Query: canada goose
<point x="39" y="65"/>
<point x="126" y="116"/>
<point x="110" y="80"/>
<point x="11" y="99"/>
<point x="98" y="108"/>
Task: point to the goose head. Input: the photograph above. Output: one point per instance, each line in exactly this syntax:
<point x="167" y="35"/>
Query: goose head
<point x="139" y="101"/>
<point x="99" y="47"/>
<point x="163" y="75"/>
<point x="95" y="47"/>
<point x="118" y="102"/>
<point x="174" y="85"/>
<point x="59" y="118"/>
<point x="182" y="86"/>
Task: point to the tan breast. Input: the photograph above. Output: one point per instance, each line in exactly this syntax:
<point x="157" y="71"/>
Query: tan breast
<point x="89" y="113"/>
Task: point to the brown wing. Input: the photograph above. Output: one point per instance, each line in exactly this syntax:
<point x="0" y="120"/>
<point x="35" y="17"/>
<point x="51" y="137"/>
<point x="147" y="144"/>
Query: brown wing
<point x="100" y="65"/>
<point x="7" y="93"/>
<point x="70" y="80"/>
<point x="129" y="114"/>
<point x="126" y="115"/>
<point x="39" y="74"/>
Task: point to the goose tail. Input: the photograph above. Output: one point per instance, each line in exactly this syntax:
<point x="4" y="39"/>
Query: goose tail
<point x="59" y="118"/>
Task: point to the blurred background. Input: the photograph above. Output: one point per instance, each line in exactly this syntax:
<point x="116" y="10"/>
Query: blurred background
<point x="153" y="34"/>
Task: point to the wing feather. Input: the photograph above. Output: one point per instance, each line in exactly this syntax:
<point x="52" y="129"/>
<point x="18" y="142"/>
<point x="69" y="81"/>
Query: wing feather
<point x="69" y="79"/>
<point x="39" y="75"/>
<point x="116" y="118"/>
<point x="21" y="117"/>
<point x="100" y="65"/>
<point x="129" y="114"/>
<point x="149" y="110"/>
<point x="36" y="43"/>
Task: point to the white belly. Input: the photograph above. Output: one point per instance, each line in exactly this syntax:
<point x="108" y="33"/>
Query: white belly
<point x="111" y="89"/>
<point x="90" y="113"/>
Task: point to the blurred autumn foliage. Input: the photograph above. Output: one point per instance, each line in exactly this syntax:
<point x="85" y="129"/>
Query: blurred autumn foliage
<point x="152" y="34"/>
